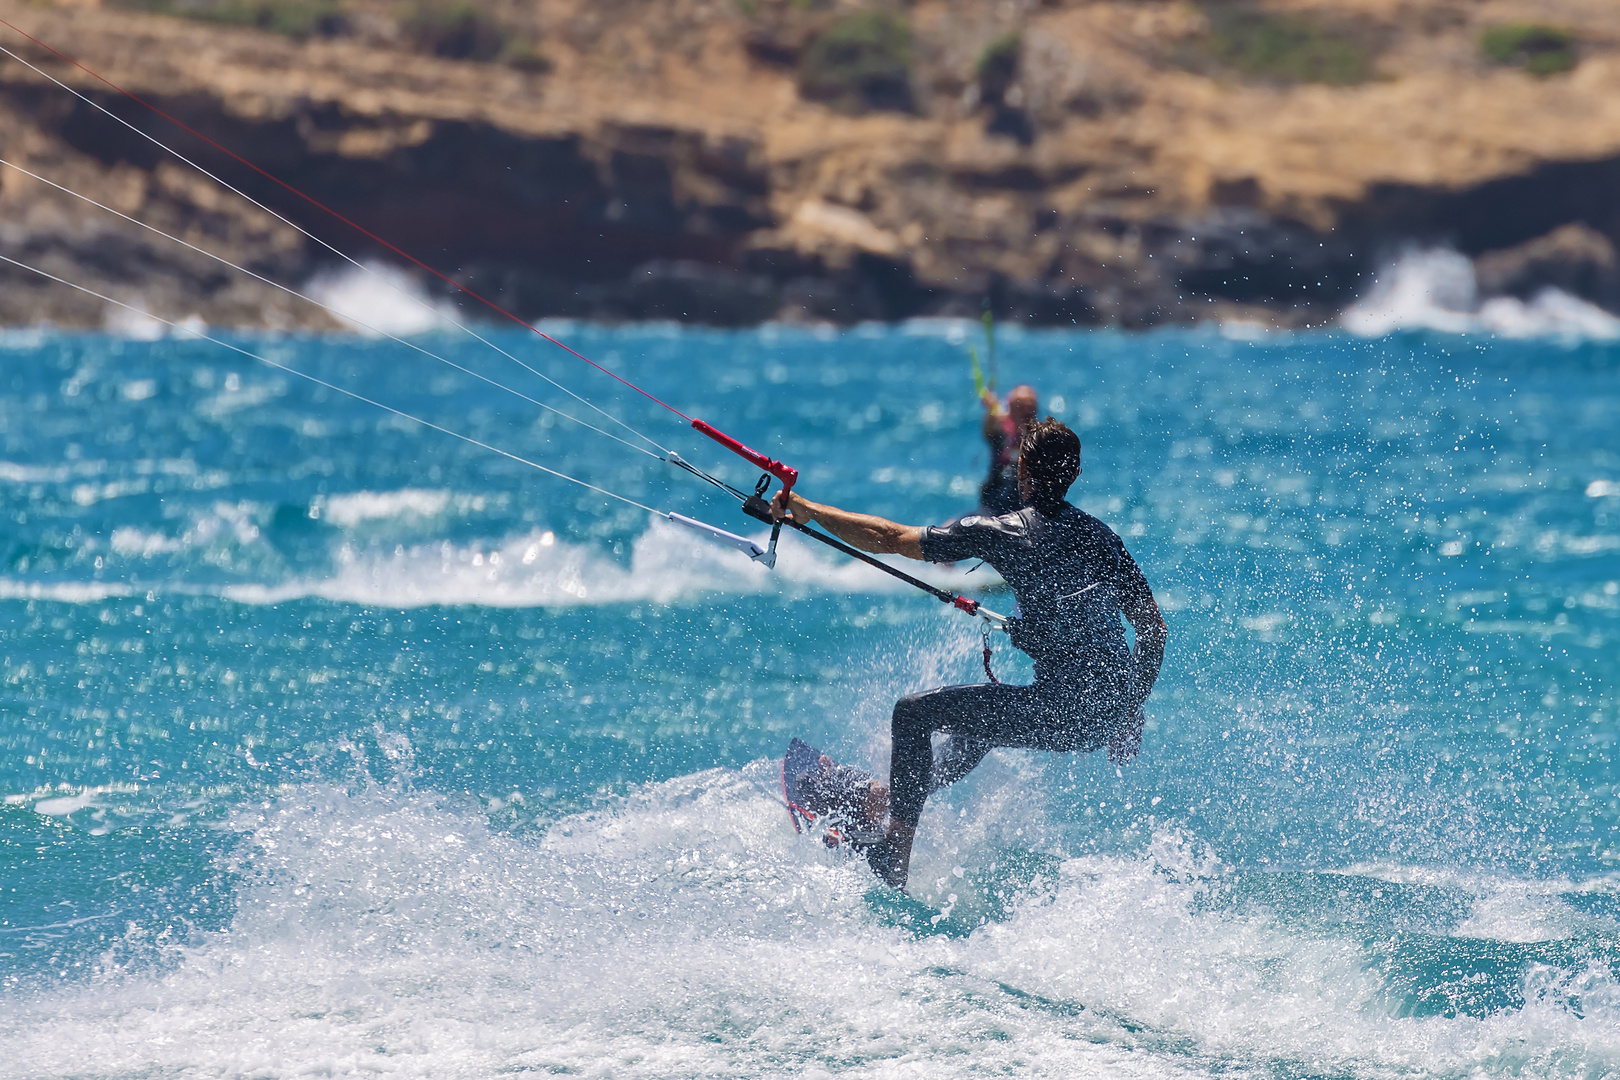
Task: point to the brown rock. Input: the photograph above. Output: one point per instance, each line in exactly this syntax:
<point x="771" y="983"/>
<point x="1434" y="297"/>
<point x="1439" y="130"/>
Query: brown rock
<point x="1575" y="258"/>
<point x="663" y="162"/>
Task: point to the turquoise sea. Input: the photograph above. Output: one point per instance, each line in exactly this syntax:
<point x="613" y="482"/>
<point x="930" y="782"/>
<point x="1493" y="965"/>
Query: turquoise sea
<point x="332" y="746"/>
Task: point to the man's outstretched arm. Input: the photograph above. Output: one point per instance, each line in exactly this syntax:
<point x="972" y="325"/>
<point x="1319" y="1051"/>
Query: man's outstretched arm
<point x="1151" y="634"/>
<point x="878" y="536"/>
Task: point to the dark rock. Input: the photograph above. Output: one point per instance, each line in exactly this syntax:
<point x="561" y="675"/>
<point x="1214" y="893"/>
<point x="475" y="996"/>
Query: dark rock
<point x="1575" y="258"/>
<point x="1013" y="123"/>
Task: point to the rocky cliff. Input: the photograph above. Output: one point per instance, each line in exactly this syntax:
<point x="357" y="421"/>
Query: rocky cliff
<point x="727" y="161"/>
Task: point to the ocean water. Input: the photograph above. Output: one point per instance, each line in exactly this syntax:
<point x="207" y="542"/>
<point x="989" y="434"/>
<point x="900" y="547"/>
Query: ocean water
<point x="331" y="746"/>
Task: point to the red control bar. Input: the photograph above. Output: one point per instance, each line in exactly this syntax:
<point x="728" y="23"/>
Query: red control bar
<point x="785" y="473"/>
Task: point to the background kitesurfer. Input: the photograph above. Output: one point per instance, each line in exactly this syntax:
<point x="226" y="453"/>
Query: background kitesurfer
<point x="1004" y="428"/>
<point x="1073" y="579"/>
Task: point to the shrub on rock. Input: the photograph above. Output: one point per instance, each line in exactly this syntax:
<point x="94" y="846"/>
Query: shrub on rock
<point x="861" y="62"/>
<point x="998" y="67"/>
<point x="1284" y="48"/>
<point x="298" y="19"/>
<point x="1540" y="50"/>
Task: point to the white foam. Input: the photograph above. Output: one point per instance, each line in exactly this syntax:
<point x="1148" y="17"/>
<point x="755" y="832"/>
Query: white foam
<point x="238" y="396"/>
<point x="228" y="523"/>
<point x="1245" y="330"/>
<point x="70" y="592"/>
<point x="18" y="473"/>
<point x="361" y="506"/>
<point x="137" y="324"/>
<point x="138" y="389"/>
<point x="686" y="931"/>
<point x="127" y="540"/>
<point x="1435" y="289"/>
<point x="133" y="322"/>
<point x="60" y="472"/>
<point x="65" y="804"/>
<point x="1551" y="313"/>
<point x="26" y="338"/>
<point x="667" y="563"/>
<point x="381" y="299"/>
<point x="953" y="329"/>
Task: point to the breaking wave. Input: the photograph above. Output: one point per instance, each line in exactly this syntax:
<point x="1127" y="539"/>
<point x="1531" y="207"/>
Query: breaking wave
<point x="379" y="299"/>
<point x="667" y="563"/>
<point x="361" y="506"/>
<point x="685" y="930"/>
<point x="1435" y="289"/>
<point x="538" y="568"/>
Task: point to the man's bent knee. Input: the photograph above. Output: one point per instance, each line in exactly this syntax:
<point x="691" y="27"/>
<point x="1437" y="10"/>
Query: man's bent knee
<point x="911" y="758"/>
<point x="912" y="707"/>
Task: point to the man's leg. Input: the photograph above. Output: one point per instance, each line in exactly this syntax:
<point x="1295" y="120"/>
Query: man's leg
<point x="975" y="715"/>
<point x="956" y="709"/>
<point x="954" y="758"/>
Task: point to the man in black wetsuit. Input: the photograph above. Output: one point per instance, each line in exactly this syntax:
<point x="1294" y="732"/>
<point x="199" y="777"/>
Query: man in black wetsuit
<point x="1073" y="579"/>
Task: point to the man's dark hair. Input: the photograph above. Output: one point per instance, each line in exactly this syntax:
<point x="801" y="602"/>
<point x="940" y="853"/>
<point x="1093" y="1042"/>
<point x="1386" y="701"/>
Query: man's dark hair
<point x="1051" y="454"/>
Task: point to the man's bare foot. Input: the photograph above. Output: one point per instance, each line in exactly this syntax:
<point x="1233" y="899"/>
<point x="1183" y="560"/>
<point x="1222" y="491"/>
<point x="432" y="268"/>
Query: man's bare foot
<point x="877" y="803"/>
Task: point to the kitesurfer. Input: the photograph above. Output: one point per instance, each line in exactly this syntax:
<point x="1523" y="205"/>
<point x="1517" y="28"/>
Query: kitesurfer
<point x="1003" y="430"/>
<point x="1073" y="580"/>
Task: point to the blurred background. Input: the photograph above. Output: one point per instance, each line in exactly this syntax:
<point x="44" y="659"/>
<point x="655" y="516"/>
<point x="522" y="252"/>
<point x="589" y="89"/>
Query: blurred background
<point x="1089" y="162"/>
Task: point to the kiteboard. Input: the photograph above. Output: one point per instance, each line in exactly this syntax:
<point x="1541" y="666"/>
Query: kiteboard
<point x="823" y="795"/>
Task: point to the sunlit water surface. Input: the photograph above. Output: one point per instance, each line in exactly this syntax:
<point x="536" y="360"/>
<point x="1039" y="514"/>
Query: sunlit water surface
<point x="332" y="746"/>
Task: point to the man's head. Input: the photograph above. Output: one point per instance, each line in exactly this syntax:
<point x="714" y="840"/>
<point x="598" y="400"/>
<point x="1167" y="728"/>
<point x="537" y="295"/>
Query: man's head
<point x="1022" y="405"/>
<point x="1048" y="462"/>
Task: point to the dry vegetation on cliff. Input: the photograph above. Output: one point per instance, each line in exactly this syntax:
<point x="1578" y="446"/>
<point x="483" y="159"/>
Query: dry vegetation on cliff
<point x="1131" y="161"/>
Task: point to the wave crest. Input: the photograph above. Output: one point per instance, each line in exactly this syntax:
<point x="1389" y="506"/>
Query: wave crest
<point x="1435" y="289"/>
<point x="667" y="564"/>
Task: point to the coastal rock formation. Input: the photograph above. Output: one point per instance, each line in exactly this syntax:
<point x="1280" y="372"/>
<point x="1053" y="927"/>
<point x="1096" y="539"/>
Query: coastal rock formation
<point x="1076" y="161"/>
<point x="1575" y="258"/>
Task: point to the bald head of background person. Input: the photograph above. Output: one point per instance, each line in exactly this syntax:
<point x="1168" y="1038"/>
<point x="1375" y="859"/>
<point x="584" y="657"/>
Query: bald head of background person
<point x="1022" y="405"/>
<point x="1004" y="430"/>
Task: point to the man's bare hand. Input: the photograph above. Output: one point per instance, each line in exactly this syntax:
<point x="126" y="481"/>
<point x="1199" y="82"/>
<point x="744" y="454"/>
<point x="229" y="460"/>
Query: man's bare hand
<point x="1151" y="634"/>
<point x="788" y="506"/>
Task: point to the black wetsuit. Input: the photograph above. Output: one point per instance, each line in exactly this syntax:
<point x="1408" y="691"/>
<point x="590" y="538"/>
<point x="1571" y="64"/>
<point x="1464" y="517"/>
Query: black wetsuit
<point x="1073" y="578"/>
